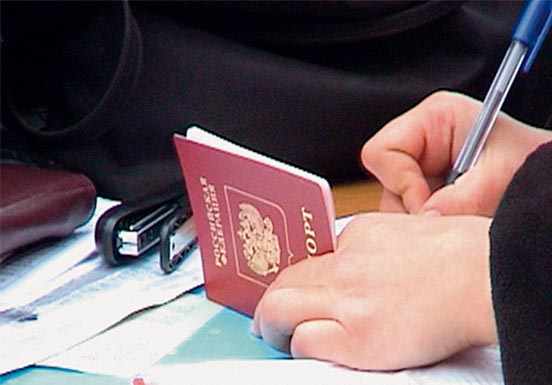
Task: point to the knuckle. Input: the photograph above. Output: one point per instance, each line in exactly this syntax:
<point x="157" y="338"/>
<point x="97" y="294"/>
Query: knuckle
<point x="443" y="97"/>
<point x="370" y="153"/>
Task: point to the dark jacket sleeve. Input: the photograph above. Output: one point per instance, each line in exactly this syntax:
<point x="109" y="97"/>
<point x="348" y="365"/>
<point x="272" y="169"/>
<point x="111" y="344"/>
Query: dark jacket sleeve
<point x="521" y="272"/>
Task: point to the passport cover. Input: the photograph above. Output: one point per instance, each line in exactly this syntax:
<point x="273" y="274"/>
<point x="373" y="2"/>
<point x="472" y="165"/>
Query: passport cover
<point x="254" y="216"/>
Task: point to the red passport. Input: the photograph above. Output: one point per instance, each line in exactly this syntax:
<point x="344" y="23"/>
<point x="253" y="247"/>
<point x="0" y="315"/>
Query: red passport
<point x="254" y="216"/>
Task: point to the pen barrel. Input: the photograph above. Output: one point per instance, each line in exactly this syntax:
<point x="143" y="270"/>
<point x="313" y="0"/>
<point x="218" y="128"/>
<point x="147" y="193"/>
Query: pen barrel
<point x="491" y="107"/>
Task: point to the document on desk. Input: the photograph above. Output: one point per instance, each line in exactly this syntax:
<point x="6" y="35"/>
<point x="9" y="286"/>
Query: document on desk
<point x="478" y="366"/>
<point x="86" y="299"/>
<point x="118" y="352"/>
<point x="139" y="341"/>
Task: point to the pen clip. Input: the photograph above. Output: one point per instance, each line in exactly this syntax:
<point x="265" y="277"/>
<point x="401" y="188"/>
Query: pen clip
<point x="532" y="27"/>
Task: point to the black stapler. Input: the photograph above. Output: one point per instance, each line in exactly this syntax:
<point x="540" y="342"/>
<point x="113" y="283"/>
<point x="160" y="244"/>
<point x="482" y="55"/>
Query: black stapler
<point x="127" y="231"/>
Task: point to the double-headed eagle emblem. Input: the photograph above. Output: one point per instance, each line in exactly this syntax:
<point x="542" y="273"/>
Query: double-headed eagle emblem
<point x="260" y="245"/>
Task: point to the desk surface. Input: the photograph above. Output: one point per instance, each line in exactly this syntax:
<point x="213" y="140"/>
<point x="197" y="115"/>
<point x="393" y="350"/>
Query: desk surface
<point x="357" y="196"/>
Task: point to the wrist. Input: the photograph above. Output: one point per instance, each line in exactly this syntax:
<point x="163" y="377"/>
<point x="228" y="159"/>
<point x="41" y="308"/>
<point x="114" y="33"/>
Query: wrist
<point x="481" y="321"/>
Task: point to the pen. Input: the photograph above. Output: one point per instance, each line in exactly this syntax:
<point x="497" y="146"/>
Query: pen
<point x="527" y="38"/>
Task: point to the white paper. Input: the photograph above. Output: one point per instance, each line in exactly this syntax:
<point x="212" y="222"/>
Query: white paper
<point x="477" y="366"/>
<point x="266" y="372"/>
<point x="79" y="295"/>
<point x="140" y="341"/>
<point x="83" y="310"/>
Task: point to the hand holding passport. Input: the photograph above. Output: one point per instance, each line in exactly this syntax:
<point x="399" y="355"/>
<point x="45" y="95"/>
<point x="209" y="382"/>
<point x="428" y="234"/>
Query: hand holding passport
<point x="254" y="216"/>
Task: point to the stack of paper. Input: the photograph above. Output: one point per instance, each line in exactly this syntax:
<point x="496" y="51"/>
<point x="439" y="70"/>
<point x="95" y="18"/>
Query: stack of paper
<point x="60" y="295"/>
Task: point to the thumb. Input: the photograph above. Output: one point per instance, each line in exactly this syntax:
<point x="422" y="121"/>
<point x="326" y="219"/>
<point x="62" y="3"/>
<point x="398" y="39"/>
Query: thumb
<point x="455" y="199"/>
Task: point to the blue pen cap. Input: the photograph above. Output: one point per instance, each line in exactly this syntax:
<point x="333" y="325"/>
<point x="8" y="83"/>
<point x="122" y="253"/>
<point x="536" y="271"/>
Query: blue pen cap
<point x="532" y="27"/>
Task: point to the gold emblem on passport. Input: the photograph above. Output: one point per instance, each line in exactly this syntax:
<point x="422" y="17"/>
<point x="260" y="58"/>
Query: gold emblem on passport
<point x="260" y="245"/>
<point x="260" y="236"/>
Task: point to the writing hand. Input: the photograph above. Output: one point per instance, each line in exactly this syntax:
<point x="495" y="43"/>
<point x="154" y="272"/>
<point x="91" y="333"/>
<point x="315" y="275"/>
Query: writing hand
<point x="412" y="155"/>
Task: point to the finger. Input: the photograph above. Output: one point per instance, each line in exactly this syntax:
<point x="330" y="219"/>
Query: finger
<point x="466" y="196"/>
<point x="391" y="203"/>
<point x="298" y="275"/>
<point x="324" y="339"/>
<point x="420" y="143"/>
<point x="400" y="174"/>
<point x="394" y="156"/>
<point x="413" y="135"/>
<point x="281" y="310"/>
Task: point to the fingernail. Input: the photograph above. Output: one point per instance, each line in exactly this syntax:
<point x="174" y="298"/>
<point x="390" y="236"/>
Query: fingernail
<point x="432" y="213"/>
<point x="254" y="332"/>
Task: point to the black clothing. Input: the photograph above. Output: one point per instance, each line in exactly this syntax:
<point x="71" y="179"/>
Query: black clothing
<point x="100" y="87"/>
<point x="521" y="272"/>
